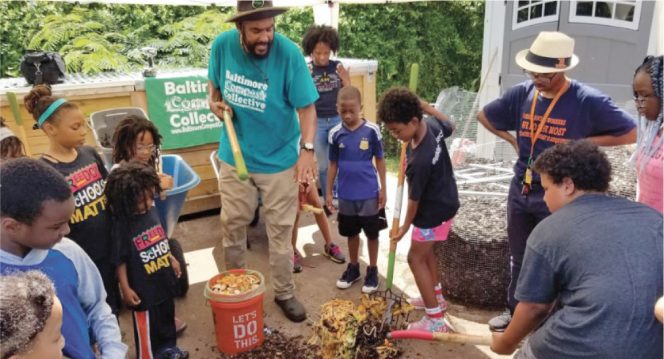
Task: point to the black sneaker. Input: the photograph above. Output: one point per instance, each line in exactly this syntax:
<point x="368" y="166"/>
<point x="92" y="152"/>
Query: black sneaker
<point x="500" y="322"/>
<point x="350" y="276"/>
<point x="370" y="281"/>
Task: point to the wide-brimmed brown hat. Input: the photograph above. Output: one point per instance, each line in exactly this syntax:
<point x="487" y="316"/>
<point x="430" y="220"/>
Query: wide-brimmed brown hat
<point x="551" y="51"/>
<point x="255" y="10"/>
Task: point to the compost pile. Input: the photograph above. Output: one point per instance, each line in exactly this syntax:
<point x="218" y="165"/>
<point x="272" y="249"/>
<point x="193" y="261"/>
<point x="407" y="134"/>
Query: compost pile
<point x="348" y="331"/>
<point x="279" y="346"/>
<point x="235" y="284"/>
<point x="474" y="260"/>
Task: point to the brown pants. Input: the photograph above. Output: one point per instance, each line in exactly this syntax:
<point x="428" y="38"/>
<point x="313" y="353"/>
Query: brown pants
<point x="238" y="203"/>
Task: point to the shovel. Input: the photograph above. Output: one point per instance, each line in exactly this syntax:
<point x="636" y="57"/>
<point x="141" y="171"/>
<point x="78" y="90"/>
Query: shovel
<point x="441" y="337"/>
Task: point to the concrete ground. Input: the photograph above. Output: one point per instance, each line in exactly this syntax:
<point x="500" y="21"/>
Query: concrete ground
<point x="200" y="239"/>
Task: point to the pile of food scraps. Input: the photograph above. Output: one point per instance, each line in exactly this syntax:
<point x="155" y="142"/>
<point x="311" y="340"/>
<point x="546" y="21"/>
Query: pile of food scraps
<point x="235" y="284"/>
<point x="347" y="331"/>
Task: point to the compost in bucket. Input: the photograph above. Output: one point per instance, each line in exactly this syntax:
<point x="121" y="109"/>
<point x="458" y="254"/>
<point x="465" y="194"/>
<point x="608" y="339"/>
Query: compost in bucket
<point x="236" y="299"/>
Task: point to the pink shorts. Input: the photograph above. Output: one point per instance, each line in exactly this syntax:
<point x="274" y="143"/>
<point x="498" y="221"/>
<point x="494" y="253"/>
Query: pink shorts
<point x="433" y="234"/>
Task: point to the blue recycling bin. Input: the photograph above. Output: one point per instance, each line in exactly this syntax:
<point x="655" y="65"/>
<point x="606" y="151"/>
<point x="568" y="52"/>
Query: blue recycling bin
<point x="184" y="179"/>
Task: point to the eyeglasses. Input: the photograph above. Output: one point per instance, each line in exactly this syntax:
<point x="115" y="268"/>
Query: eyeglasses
<point x="146" y="149"/>
<point x="642" y="99"/>
<point x="535" y="75"/>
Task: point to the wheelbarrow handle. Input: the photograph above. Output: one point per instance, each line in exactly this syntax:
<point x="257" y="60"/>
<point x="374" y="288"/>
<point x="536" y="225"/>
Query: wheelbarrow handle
<point x="441" y="337"/>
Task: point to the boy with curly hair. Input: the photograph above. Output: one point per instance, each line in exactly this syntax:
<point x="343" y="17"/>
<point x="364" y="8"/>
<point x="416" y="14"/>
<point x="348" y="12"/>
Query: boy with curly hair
<point x="592" y="269"/>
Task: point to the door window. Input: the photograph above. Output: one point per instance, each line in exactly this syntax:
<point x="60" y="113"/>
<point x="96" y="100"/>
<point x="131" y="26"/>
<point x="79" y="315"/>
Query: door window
<point x="531" y="12"/>
<point x="624" y="13"/>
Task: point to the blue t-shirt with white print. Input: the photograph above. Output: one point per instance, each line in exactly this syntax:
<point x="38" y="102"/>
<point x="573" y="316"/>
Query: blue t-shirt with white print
<point x="354" y="152"/>
<point x="264" y="95"/>
<point x="79" y="287"/>
<point x="581" y="112"/>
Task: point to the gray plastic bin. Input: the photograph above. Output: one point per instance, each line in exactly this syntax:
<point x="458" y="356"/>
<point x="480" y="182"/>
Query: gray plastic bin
<point x="103" y="124"/>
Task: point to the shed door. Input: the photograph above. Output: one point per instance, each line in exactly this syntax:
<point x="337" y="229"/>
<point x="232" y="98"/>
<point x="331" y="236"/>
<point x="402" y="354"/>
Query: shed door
<point x="611" y="39"/>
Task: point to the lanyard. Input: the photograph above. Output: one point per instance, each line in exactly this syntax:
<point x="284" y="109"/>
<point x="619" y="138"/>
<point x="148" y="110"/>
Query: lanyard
<point x="535" y="136"/>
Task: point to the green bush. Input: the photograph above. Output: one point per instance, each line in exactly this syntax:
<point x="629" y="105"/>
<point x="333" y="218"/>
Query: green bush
<point x="443" y="37"/>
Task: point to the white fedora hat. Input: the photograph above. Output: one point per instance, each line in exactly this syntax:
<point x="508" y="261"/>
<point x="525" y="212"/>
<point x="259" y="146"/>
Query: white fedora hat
<point x="550" y="52"/>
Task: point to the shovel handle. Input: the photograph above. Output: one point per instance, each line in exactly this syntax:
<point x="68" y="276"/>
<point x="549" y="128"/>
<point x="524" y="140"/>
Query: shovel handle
<point x="240" y="166"/>
<point x="441" y="337"/>
<point x="396" y="215"/>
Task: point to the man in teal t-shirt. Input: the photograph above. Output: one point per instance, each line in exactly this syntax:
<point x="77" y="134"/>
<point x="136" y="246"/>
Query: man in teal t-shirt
<point x="261" y="78"/>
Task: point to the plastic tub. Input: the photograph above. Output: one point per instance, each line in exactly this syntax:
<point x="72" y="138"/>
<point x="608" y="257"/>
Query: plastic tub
<point x="103" y="124"/>
<point x="238" y="319"/>
<point x="184" y="179"/>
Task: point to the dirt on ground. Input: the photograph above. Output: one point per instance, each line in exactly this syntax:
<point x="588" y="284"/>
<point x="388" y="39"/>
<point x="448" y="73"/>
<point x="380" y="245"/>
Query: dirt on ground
<point x="314" y="286"/>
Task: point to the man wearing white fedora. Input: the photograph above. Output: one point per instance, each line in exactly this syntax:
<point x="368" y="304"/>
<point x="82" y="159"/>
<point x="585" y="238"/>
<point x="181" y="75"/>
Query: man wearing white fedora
<point x="548" y="108"/>
<point x="261" y="78"/>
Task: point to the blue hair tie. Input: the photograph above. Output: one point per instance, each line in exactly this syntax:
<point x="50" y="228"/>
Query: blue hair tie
<point x="49" y="111"/>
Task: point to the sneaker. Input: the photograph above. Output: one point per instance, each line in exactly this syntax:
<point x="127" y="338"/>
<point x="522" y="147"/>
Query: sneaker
<point x="180" y="326"/>
<point x="350" y="276"/>
<point x="173" y="353"/>
<point x="500" y="322"/>
<point x="418" y="303"/>
<point x="371" y="280"/>
<point x="426" y="324"/>
<point x="297" y="262"/>
<point x="333" y="252"/>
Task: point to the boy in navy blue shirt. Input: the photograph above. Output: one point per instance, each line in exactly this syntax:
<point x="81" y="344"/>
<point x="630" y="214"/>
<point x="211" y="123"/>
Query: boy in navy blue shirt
<point x="433" y="199"/>
<point x="354" y="144"/>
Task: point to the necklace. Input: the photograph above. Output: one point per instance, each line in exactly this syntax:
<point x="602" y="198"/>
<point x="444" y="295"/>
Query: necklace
<point x="255" y="65"/>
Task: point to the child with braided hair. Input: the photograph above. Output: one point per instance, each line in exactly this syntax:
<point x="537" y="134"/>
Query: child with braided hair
<point x="146" y="269"/>
<point x="648" y="155"/>
<point x="138" y="138"/>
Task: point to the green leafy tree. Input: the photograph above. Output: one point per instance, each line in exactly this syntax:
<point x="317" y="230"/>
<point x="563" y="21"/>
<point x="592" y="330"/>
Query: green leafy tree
<point x="188" y="41"/>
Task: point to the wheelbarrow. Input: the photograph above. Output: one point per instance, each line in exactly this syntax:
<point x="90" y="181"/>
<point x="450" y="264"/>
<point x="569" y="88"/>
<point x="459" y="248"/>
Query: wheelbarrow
<point x="170" y="207"/>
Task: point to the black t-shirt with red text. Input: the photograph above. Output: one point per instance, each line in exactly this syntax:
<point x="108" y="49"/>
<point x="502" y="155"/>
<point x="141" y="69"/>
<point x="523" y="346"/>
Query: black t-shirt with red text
<point x="143" y="247"/>
<point x="90" y="224"/>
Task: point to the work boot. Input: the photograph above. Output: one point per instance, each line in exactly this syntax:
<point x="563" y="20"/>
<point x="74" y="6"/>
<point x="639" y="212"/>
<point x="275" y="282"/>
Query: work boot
<point x="292" y="308"/>
<point x="500" y="322"/>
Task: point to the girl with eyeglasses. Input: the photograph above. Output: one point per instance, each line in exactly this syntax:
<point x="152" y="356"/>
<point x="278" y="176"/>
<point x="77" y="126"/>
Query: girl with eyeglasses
<point x="136" y="138"/>
<point x="647" y="87"/>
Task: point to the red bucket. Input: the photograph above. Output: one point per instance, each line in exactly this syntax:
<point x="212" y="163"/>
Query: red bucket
<point x="238" y="319"/>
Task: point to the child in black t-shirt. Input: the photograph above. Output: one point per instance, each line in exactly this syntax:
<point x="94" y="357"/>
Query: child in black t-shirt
<point x="66" y="129"/>
<point x="146" y="269"/>
<point x="433" y="199"/>
<point x="137" y="138"/>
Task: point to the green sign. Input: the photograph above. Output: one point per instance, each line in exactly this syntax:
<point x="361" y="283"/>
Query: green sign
<point x="179" y="108"/>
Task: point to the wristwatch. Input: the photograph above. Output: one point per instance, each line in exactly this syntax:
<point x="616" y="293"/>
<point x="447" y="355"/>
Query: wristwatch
<point x="307" y="146"/>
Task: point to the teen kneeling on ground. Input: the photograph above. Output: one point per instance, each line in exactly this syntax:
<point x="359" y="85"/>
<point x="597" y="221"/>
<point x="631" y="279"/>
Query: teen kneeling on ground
<point x="592" y="270"/>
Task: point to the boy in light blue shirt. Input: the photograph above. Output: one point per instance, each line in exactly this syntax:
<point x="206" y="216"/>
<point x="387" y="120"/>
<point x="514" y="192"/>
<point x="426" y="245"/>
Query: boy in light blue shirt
<point x="36" y="207"/>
